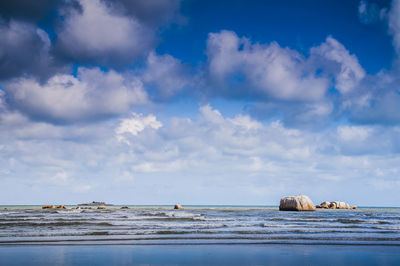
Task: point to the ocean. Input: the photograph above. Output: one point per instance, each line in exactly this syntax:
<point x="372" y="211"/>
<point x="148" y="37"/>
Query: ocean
<point x="161" y="225"/>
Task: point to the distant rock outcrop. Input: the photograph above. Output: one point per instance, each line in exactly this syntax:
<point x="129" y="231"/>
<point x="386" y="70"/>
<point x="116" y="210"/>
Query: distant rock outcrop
<point x="178" y="207"/>
<point x="95" y="203"/>
<point x="335" y="205"/>
<point x="48" y="207"/>
<point x="332" y="205"/>
<point x="324" y="205"/>
<point x="296" y="203"/>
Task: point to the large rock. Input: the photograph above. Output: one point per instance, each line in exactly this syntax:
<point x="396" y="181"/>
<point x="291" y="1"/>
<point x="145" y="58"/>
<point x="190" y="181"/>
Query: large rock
<point x="178" y="207"/>
<point x="296" y="203"/>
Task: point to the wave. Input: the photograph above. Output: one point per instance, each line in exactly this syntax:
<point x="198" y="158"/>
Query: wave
<point x="55" y="224"/>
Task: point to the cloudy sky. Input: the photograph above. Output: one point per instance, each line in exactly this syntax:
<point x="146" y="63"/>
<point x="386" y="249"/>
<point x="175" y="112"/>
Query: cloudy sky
<point x="199" y="101"/>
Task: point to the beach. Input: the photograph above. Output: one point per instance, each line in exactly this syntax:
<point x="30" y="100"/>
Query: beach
<point x="199" y="235"/>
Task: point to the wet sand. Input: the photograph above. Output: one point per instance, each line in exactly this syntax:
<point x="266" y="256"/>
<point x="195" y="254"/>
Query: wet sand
<point x="200" y="255"/>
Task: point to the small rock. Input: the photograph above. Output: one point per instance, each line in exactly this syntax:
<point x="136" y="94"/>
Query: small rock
<point x="325" y="204"/>
<point x="178" y="207"/>
<point x="48" y="207"/>
<point x="101" y="208"/>
<point x="332" y="205"/>
<point x="124" y="207"/>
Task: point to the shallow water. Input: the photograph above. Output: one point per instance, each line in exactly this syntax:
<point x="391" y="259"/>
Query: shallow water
<point x="198" y="225"/>
<point x="199" y="255"/>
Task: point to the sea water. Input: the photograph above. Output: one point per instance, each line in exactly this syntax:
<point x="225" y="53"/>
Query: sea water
<point x="159" y="225"/>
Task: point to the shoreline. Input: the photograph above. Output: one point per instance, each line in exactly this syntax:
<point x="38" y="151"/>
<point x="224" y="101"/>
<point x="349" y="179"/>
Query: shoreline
<point x="197" y="244"/>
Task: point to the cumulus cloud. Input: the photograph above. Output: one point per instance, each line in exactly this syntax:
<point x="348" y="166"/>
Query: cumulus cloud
<point x="166" y="75"/>
<point x="281" y="82"/>
<point x="210" y="152"/>
<point x="375" y="107"/>
<point x="353" y="133"/>
<point x="374" y="98"/>
<point x="91" y="94"/>
<point x="25" y="50"/>
<point x="348" y="72"/>
<point x="98" y="33"/>
<point x="267" y="70"/>
<point x="135" y="125"/>
<point x="298" y="115"/>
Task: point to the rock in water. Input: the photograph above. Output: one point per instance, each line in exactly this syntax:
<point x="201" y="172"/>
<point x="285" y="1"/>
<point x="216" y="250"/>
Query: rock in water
<point x="325" y="204"/>
<point x="178" y="207"/>
<point x="101" y="208"/>
<point x="296" y="203"/>
<point x="48" y="207"/>
<point x="124" y="207"/>
<point x="340" y="205"/>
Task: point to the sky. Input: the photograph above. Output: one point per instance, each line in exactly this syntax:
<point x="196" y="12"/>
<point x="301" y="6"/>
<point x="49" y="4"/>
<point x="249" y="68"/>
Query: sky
<point x="199" y="101"/>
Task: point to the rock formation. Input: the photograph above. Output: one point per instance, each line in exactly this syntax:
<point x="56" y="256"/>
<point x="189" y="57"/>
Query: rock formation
<point x="48" y="207"/>
<point x="324" y="205"/>
<point x="101" y="207"/>
<point x="296" y="203"/>
<point x="335" y="205"/>
<point x="178" y="207"/>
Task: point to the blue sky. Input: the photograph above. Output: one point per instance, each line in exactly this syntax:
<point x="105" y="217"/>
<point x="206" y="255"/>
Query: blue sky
<point x="199" y="102"/>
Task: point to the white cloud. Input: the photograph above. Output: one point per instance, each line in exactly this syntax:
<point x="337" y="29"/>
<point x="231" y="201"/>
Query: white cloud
<point x="59" y="178"/>
<point x="135" y="125"/>
<point x="213" y="153"/>
<point x="166" y="73"/>
<point x="353" y="133"/>
<point x="25" y="50"/>
<point x="92" y="93"/>
<point x="269" y="70"/>
<point x="99" y="32"/>
<point x="350" y="71"/>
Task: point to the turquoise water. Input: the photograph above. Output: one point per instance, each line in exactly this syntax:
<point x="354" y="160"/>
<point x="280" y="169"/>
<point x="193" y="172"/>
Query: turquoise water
<point x="161" y="225"/>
